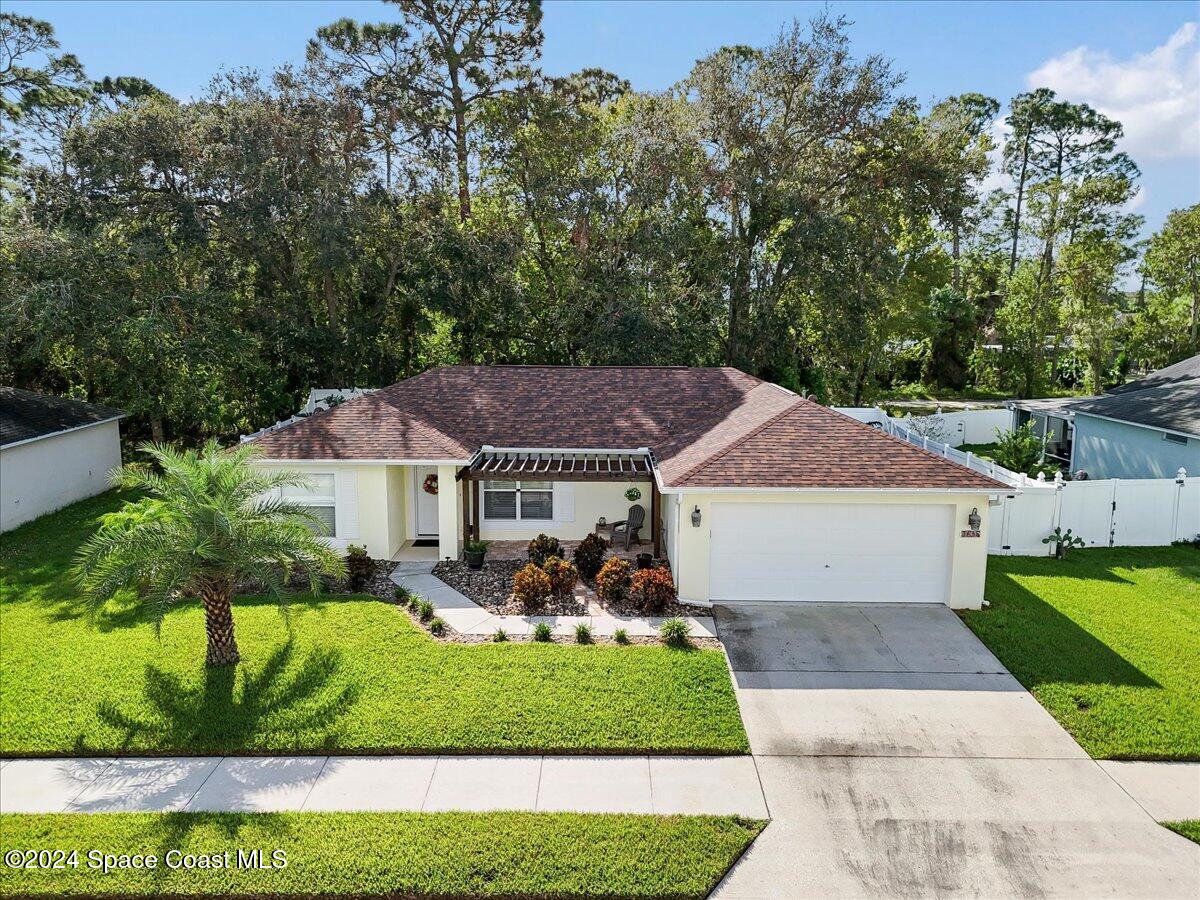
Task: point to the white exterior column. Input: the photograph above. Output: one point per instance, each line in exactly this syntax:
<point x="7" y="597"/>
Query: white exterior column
<point x="449" y="513"/>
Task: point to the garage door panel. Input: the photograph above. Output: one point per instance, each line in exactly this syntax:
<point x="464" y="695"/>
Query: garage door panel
<point x="830" y="552"/>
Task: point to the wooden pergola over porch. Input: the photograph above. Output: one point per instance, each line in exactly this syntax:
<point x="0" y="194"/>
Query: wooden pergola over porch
<point x="492" y="464"/>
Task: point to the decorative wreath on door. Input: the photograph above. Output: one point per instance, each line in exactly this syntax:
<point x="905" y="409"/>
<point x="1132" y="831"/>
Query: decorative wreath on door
<point x="430" y="485"/>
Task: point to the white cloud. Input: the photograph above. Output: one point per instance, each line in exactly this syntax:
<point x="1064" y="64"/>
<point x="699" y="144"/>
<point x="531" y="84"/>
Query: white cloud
<point x="1155" y="95"/>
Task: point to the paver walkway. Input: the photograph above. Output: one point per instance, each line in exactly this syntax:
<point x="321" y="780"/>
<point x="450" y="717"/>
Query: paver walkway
<point x="467" y="617"/>
<point x="900" y="759"/>
<point x="632" y="784"/>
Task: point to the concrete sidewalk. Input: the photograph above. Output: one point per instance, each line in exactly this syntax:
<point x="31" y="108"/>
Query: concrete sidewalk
<point x="610" y="784"/>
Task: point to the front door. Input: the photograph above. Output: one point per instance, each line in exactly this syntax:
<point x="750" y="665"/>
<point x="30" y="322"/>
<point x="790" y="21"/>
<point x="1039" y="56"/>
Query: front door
<point x="426" y="503"/>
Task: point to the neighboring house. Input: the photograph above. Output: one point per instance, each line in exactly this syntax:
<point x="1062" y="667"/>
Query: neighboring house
<point x="1149" y="428"/>
<point x="752" y="492"/>
<point x="53" y="451"/>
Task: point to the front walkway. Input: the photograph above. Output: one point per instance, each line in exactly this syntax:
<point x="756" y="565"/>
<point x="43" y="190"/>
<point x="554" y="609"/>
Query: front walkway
<point x="467" y="617"/>
<point x="626" y="784"/>
<point x="899" y="758"/>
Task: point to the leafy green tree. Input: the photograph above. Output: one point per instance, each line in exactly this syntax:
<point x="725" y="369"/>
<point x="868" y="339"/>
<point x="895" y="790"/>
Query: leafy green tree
<point x="1173" y="263"/>
<point x="33" y="77"/>
<point x="209" y="520"/>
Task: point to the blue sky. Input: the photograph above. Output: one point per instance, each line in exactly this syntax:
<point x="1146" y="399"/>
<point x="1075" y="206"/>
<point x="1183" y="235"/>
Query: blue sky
<point x="1137" y="61"/>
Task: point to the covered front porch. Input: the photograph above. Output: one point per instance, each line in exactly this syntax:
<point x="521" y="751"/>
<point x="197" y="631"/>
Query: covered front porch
<point x="508" y="497"/>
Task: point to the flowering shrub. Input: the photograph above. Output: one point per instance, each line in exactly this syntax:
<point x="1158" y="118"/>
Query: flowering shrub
<point x="531" y="586"/>
<point x="613" y="580"/>
<point x="589" y="555"/>
<point x="653" y="589"/>
<point x="542" y="547"/>
<point x="563" y="576"/>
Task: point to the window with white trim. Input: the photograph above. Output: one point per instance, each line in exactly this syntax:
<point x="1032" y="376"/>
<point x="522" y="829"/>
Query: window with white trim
<point x="518" y="500"/>
<point x="318" y="497"/>
<point x="1174" y="438"/>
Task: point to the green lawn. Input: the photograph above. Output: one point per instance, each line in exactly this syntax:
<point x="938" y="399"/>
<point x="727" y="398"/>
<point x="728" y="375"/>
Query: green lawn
<point x="1108" y="641"/>
<point x="1189" y="828"/>
<point x="398" y="854"/>
<point x="336" y="674"/>
<point x="987" y="451"/>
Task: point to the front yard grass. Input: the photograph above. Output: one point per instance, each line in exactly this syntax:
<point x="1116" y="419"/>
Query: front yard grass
<point x="1108" y="641"/>
<point x="335" y="674"/>
<point x="1189" y="828"/>
<point x="394" y="854"/>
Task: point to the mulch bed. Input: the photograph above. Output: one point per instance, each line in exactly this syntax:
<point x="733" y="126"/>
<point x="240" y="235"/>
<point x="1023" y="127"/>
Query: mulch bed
<point x="491" y="588"/>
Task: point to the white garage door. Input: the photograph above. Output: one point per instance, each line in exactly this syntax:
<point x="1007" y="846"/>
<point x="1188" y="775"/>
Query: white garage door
<point x="830" y="552"/>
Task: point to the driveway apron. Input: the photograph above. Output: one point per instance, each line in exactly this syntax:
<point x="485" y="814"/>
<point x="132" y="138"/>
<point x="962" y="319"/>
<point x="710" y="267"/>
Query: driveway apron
<point x="899" y="758"/>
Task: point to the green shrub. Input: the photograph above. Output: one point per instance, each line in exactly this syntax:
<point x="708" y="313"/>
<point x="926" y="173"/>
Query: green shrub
<point x="359" y="567"/>
<point x="583" y="633"/>
<point x="1020" y="450"/>
<point x="401" y="595"/>
<point x="621" y="636"/>
<point x="589" y="555"/>
<point x="531" y="587"/>
<point x="614" y="579"/>
<point x="500" y="636"/>
<point x="653" y="589"/>
<point x="436" y="625"/>
<point x="542" y="547"/>
<point x="541" y="631"/>
<point x="674" y="632"/>
<point x="470" y="545"/>
<point x="562" y="575"/>
<point x="425" y="610"/>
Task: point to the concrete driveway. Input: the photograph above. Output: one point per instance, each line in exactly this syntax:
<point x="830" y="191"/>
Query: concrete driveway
<point x="899" y="758"/>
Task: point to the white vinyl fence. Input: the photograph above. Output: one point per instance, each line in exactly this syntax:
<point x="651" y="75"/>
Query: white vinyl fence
<point x="1111" y="512"/>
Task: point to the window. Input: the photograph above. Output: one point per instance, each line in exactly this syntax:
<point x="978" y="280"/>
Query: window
<point x="518" y="500"/>
<point x="1174" y="438"/>
<point x="318" y="498"/>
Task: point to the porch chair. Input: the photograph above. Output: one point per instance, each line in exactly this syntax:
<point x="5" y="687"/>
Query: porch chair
<point x="627" y="529"/>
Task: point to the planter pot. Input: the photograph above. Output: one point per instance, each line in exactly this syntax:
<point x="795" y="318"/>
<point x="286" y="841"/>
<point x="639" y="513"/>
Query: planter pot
<point x="645" y="560"/>
<point x="475" y="558"/>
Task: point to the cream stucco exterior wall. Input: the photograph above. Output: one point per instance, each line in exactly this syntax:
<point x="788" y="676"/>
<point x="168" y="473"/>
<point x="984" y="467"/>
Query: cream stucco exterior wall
<point x="370" y="509"/>
<point x="578" y="505"/>
<point x="40" y="476"/>
<point x="968" y="558"/>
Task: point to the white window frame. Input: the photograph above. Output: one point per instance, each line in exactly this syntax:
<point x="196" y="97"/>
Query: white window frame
<point x="319" y="500"/>
<point x="517" y="506"/>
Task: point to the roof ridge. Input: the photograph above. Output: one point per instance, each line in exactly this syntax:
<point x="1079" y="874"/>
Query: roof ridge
<point x="712" y="458"/>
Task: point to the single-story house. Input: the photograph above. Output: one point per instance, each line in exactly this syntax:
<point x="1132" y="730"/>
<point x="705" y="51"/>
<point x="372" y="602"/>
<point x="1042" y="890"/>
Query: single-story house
<point x="752" y="492"/>
<point x="1149" y="428"/>
<point x="53" y="451"/>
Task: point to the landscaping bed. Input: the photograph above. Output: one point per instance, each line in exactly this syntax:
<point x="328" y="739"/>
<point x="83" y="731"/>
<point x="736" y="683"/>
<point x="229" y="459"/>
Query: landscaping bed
<point x="1108" y="640"/>
<point x="447" y="855"/>
<point x="340" y="673"/>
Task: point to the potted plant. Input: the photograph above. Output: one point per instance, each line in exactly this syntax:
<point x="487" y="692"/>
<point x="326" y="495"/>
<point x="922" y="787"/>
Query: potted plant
<point x="475" y="551"/>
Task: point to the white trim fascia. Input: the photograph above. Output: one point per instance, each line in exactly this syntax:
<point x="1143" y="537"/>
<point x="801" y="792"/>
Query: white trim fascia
<point x="1159" y="428"/>
<point x="362" y="462"/>
<point x="42" y="437"/>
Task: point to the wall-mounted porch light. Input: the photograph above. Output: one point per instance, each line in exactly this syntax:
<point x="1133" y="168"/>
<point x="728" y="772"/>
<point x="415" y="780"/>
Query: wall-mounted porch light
<point x="696" y="517"/>
<point x="974" y="519"/>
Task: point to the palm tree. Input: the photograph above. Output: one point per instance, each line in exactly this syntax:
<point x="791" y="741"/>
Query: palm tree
<point x="208" y="520"/>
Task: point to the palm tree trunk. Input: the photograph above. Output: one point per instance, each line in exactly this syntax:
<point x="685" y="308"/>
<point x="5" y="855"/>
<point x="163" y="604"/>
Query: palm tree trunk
<point x="218" y="623"/>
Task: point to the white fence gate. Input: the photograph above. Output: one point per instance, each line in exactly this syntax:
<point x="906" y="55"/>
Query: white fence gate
<point x="1113" y="512"/>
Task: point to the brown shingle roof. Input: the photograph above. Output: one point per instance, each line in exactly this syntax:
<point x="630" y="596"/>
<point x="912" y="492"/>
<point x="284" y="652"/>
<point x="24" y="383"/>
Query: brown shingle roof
<point x="706" y="426"/>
